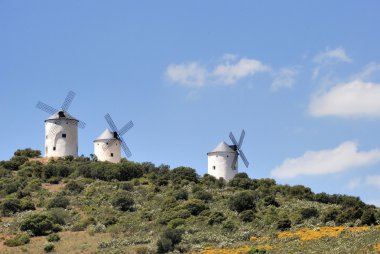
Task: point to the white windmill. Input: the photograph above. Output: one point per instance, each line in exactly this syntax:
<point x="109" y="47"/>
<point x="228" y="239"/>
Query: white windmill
<point x="107" y="145"/>
<point x="223" y="159"/>
<point x="61" y="129"/>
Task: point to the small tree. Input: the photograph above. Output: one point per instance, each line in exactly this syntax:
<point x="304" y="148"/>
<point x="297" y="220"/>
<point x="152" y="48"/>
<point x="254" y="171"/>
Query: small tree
<point x="39" y="224"/>
<point x="368" y="217"/>
<point x="122" y="201"/>
<point x="284" y="224"/>
<point x="245" y="200"/>
<point x="308" y="213"/>
<point x="168" y="240"/>
<point x="59" y="201"/>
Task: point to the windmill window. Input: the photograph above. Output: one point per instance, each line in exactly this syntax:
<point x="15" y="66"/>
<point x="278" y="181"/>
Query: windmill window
<point x="213" y="167"/>
<point x="106" y="143"/>
<point x="54" y="148"/>
<point x="63" y="135"/>
<point x="227" y="156"/>
<point x="111" y="154"/>
<point x="46" y="136"/>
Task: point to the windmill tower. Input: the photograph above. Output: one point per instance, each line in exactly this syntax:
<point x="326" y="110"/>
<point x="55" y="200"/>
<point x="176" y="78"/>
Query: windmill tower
<point x="61" y="129"/>
<point x="223" y="159"/>
<point x="107" y="145"/>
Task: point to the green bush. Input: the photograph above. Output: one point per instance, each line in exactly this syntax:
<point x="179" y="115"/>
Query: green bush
<point x="122" y="201"/>
<point x="194" y="206"/>
<point x="244" y="200"/>
<point x="309" y="212"/>
<point x="229" y="226"/>
<point x="247" y="216"/>
<point x="368" y="217"/>
<point x="18" y="240"/>
<point x="59" y="215"/>
<point x="184" y="173"/>
<point x="10" y="206"/>
<point x="49" y="247"/>
<point x="284" y="224"/>
<point x="168" y="240"/>
<point x="216" y="218"/>
<point x="28" y="152"/>
<point x="59" y="201"/>
<point x="271" y="200"/>
<point x="330" y="215"/>
<point x="180" y="194"/>
<point x="203" y="195"/>
<point x="53" y="237"/>
<point x="39" y="224"/>
<point x="126" y="186"/>
<point x="74" y="187"/>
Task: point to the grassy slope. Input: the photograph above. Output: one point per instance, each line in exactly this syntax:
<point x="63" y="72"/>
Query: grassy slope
<point x="138" y="231"/>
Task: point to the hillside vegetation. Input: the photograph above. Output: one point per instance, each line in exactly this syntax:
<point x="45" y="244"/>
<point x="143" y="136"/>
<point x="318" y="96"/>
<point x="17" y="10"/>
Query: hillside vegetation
<point x="83" y="206"/>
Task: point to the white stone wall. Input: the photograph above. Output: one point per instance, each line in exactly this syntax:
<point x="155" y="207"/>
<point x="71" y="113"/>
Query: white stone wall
<point x="112" y="154"/>
<point x="220" y="164"/>
<point x="61" y="138"/>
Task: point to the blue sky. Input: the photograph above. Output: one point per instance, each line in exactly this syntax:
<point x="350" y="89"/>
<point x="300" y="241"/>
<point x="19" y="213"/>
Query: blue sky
<point x="302" y="79"/>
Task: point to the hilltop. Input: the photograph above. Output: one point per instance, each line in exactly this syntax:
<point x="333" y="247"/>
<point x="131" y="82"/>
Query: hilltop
<point x="77" y="205"/>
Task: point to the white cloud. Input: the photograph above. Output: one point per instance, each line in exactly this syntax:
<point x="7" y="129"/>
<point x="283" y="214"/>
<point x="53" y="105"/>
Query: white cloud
<point x="328" y="161"/>
<point x="334" y="55"/>
<point x="353" y="99"/>
<point x="368" y="71"/>
<point x="369" y="181"/>
<point x="285" y="78"/>
<point x="228" y="72"/>
<point x="191" y="74"/>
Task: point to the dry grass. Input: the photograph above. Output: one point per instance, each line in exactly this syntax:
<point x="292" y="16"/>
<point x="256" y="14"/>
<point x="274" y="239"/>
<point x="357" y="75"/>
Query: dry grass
<point x="70" y="243"/>
<point x="53" y="188"/>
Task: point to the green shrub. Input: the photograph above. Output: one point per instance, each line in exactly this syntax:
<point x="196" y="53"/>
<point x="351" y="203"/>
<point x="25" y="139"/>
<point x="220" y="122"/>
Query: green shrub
<point x="53" y="237"/>
<point x="49" y="247"/>
<point x="284" y="224"/>
<point x="176" y="223"/>
<point x="271" y="200"/>
<point x="122" y="201"/>
<point x="126" y="186"/>
<point x="39" y="224"/>
<point x="203" y="195"/>
<point x="59" y="201"/>
<point x="10" y="206"/>
<point x="180" y="194"/>
<point x="256" y="250"/>
<point x="330" y="215"/>
<point x="168" y="240"/>
<point x="216" y="218"/>
<point x="368" y="217"/>
<point x="18" y="240"/>
<point x="229" y="226"/>
<point x="309" y="212"/>
<point x="27" y="204"/>
<point x="28" y="152"/>
<point x="59" y="215"/>
<point x="184" y="173"/>
<point x="247" y="216"/>
<point x="74" y="187"/>
<point x="244" y="200"/>
<point x="194" y="206"/>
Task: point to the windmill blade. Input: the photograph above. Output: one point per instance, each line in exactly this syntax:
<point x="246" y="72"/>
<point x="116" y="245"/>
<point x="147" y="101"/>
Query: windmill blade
<point x="80" y="123"/>
<point x="46" y="108"/>
<point x="232" y="137"/>
<point x="69" y="99"/>
<point x="125" y="148"/>
<point x="234" y="162"/>
<point x="55" y="129"/>
<point x="241" y="138"/>
<point x="110" y="122"/>
<point x="244" y="158"/>
<point x="126" y="128"/>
